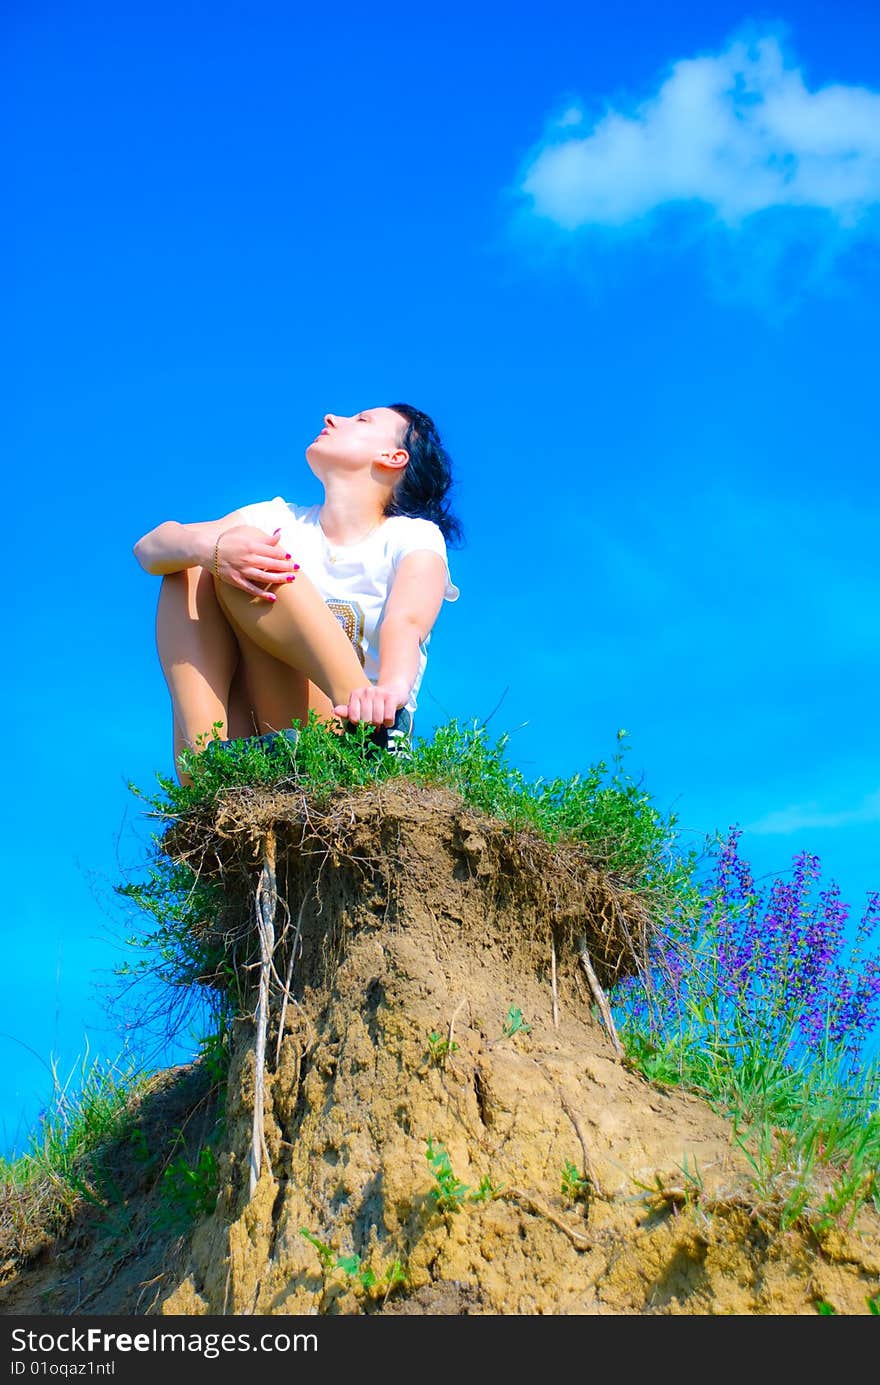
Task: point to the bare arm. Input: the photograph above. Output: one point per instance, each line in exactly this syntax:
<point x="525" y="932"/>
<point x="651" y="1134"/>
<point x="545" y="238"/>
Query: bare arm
<point x="237" y="552"/>
<point x="171" y="547"/>
<point x="412" y="607"/>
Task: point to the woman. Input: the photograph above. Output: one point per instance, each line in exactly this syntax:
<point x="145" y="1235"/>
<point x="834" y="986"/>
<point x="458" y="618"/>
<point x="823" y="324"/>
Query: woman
<point x="279" y="609"/>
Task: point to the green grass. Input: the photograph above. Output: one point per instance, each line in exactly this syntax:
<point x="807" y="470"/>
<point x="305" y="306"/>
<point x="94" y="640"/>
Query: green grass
<point x="603" y="808"/>
<point x="188" y="1190"/>
<point x="448" y="1194"/>
<point x="61" y="1168"/>
<point x="812" y="1138"/>
<point x="90" y="1107"/>
<point x="94" y="1113"/>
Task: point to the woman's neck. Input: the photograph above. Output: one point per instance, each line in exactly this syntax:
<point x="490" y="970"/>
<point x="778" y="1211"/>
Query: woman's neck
<point x="349" y="513"/>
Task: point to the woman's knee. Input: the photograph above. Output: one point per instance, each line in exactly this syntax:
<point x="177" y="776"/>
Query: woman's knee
<point x="192" y="631"/>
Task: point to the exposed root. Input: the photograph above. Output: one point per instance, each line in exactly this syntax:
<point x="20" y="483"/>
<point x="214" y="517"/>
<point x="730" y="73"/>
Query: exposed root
<point x="455" y="1015"/>
<point x="600" y="997"/>
<point x="286" y="991"/>
<point x="266" y="902"/>
<point x="531" y="1204"/>
<point x="589" y="1168"/>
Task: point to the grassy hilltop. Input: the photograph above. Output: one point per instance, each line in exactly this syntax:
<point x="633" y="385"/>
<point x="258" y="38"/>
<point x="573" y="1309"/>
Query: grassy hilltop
<point x="758" y="1003"/>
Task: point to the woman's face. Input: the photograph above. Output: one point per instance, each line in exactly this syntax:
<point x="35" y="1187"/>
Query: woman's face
<point x="357" y="441"/>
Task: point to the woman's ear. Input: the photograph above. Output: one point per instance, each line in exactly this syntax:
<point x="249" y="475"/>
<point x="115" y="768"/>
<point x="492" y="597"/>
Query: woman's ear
<point x="397" y="459"/>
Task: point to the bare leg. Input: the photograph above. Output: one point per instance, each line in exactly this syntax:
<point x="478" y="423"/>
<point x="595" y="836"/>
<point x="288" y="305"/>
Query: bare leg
<point x="224" y="683"/>
<point x="297" y="630"/>
<point x="277" y="693"/>
<point x="199" y="657"/>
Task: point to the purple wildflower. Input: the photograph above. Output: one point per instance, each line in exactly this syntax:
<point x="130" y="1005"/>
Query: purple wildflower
<point x="775" y="962"/>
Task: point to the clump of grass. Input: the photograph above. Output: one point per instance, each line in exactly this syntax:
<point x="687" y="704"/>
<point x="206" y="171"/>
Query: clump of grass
<point x="352" y="1267"/>
<point x="319" y="760"/>
<point x="188" y="1189"/>
<point x="97" y="1111"/>
<point x="604" y="808"/>
<point x="190" y="1182"/>
<point x="85" y="1110"/>
<point x="59" y="1170"/>
<point x="514" y="1023"/>
<point x="440" y="1049"/>
<point x="448" y="1194"/>
<point x="574" y="1186"/>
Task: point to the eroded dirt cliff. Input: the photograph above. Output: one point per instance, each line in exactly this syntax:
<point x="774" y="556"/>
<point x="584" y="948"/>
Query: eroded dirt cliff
<point x="421" y="1014"/>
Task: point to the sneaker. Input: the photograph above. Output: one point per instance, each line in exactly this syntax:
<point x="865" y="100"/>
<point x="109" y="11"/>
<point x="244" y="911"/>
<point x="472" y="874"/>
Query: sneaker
<point x="273" y="739"/>
<point x="396" y="739"/>
<point x="269" y="741"/>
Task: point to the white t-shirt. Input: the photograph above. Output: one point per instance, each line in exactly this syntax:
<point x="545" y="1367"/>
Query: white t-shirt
<point x="354" y="579"/>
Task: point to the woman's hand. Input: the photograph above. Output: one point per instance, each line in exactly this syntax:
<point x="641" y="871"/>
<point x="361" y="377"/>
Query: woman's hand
<point x="245" y="556"/>
<point x="377" y="704"/>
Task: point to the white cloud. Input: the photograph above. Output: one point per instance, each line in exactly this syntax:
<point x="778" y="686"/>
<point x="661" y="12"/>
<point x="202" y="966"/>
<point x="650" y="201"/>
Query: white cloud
<point x="737" y="132"/>
<point x="800" y="817"/>
<point x="573" y="116"/>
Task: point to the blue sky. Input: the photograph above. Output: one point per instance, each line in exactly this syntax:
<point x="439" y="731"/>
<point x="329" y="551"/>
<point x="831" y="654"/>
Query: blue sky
<point x="629" y="259"/>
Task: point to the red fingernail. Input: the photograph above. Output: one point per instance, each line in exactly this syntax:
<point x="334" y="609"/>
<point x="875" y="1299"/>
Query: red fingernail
<point x="276" y="531"/>
<point x="295" y="566"/>
<point x="291" y="578"/>
<point x="273" y="598"/>
<point x="287" y="555"/>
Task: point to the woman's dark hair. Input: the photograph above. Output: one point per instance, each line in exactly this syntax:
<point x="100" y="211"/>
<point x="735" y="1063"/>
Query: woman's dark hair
<point x="424" y="487"/>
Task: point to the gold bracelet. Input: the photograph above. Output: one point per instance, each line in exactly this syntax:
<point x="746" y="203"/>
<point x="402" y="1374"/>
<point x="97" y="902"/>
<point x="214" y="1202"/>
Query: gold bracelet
<point x="217" y="557"/>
